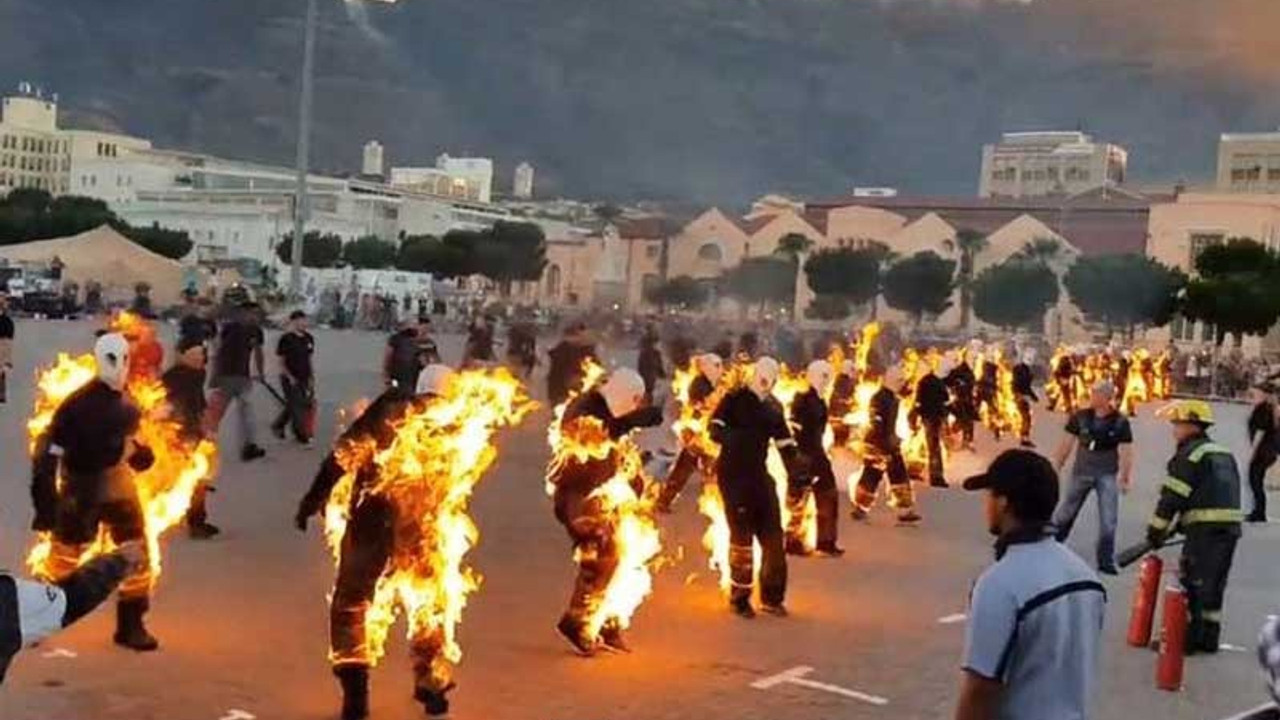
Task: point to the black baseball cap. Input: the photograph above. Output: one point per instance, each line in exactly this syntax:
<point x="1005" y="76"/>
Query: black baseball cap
<point x="1027" y="479"/>
<point x="297" y="314"/>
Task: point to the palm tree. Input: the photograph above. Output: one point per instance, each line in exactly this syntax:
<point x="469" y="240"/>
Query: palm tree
<point x="792" y="246"/>
<point x="1045" y="251"/>
<point x="968" y="243"/>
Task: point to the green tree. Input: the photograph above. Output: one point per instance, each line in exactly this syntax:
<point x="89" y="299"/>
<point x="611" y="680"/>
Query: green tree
<point x="682" y="292"/>
<point x="512" y="251"/>
<point x="761" y="281"/>
<point x="792" y="245"/>
<point x="920" y="285"/>
<point x="1015" y="294"/>
<point x="1124" y="291"/>
<point x="428" y="254"/>
<point x="318" y="250"/>
<point x="968" y="243"/>
<point x="173" y="244"/>
<point x="829" y="307"/>
<point x="1045" y="251"/>
<point x="1237" y="289"/>
<point x="853" y="275"/>
<point x="369" y="252"/>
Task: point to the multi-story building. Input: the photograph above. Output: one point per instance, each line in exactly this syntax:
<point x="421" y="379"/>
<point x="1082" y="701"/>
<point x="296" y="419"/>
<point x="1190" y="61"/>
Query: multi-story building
<point x="1039" y="164"/>
<point x="522" y="183"/>
<point x="36" y="153"/>
<point x="1249" y="162"/>
<point x="372" y="163"/>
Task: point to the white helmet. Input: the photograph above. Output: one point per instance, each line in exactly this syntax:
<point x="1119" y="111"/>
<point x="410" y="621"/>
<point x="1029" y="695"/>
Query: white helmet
<point x="112" y="355"/>
<point x="764" y="374"/>
<point x="1028" y="356"/>
<point x="711" y="366"/>
<point x="820" y="374"/>
<point x="893" y="379"/>
<point x="976" y="347"/>
<point x="623" y="391"/>
<point x="433" y="379"/>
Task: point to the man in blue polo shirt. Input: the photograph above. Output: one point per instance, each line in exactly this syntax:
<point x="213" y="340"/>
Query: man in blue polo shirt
<point x="1035" y="617"/>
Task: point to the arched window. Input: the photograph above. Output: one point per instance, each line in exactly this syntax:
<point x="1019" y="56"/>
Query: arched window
<point x="553" y="281"/>
<point x="710" y="252"/>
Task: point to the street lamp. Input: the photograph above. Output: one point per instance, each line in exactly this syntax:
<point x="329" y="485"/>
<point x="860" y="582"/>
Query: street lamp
<point x="300" y="200"/>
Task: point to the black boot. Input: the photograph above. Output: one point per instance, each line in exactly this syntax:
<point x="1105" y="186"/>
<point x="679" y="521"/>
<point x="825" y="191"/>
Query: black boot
<point x="355" y="691"/>
<point x="130" y="632"/>
<point x="434" y="702"/>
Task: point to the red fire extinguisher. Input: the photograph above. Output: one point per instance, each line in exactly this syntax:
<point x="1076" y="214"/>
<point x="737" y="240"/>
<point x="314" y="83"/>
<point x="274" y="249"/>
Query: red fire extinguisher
<point x="1143" y="611"/>
<point x="1173" y="629"/>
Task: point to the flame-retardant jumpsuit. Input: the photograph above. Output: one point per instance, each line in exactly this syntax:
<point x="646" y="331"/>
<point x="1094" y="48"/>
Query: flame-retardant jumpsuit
<point x="961" y="383"/>
<point x="583" y="517"/>
<point x="90" y="441"/>
<point x="883" y="455"/>
<point x="690" y="458"/>
<point x="809" y="424"/>
<point x="1024" y="394"/>
<point x="369" y="544"/>
<point x="1202" y="493"/>
<point x="744" y="425"/>
<point x="931" y="408"/>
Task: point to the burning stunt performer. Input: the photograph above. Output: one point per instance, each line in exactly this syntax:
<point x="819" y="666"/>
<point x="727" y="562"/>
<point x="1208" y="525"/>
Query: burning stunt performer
<point x="1202" y="493"/>
<point x="882" y="455"/>
<point x="692" y="458"/>
<point x="82" y="479"/>
<point x="809" y="423"/>
<point x="581" y="484"/>
<point x="745" y="422"/>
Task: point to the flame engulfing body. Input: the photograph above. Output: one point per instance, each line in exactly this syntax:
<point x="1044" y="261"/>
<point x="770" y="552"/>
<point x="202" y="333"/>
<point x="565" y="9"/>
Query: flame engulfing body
<point x="439" y="451"/>
<point x="626" y="512"/>
<point x="1140" y="378"/>
<point x="164" y="490"/>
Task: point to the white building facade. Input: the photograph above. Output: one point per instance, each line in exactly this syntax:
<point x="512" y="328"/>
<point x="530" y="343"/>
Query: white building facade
<point x="1039" y="164"/>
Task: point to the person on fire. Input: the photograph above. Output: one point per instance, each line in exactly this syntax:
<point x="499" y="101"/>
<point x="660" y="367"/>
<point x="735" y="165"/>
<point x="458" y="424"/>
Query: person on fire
<point x="745" y="422"/>
<point x="988" y="393"/>
<point x="1064" y="374"/>
<point x="184" y="389"/>
<point x="369" y="543"/>
<point x="1201" y="492"/>
<point x="882" y="455"/>
<point x="961" y="382"/>
<point x="1024" y="395"/>
<point x="932" y="405"/>
<point x="842" y="398"/>
<point x="809" y="425"/>
<point x="616" y="405"/>
<point x="90" y="444"/>
<point x="710" y="369"/>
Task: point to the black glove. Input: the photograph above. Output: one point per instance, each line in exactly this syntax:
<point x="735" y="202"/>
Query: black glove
<point x="142" y="458"/>
<point x="44" y="520"/>
<point x="1155" y="537"/>
<point x="646" y="417"/>
<point x="300" y="519"/>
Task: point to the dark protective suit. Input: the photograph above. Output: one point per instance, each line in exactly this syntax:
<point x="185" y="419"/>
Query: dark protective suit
<point x="690" y="458"/>
<point x="932" y="408"/>
<point x="370" y="541"/>
<point x="1262" y="422"/>
<point x="1024" y="394"/>
<point x="744" y="425"/>
<point x="809" y="425"/>
<point x="91" y="439"/>
<point x="882" y="454"/>
<point x="988" y="392"/>
<point x="842" y="392"/>
<point x="649" y="365"/>
<point x="1064" y="380"/>
<point x="589" y="528"/>
<point x="961" y="382"/>
<point x="564" y="371"/>
<point x="184" y="388"/>
<point x="1202" y="493"/>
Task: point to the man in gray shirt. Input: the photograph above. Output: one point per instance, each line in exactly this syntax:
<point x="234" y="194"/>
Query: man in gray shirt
<point x="1103" y="443"/>
<point x="1035" y="617"/>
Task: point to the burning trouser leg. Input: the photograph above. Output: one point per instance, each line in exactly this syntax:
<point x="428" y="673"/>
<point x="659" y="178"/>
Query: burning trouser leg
<point x="366" y="547"/>
<point x="827" y="503"/>
<point x="1024" y="420"/>
<point x="901" y="496"/>
<point x="687" y="462"/>
<point x="76" y="530"/>
<point x="756" y="517"/>
<point x="933" y="429"/>
<point x="596" y="553"/>
<point x="1205" y="565"/>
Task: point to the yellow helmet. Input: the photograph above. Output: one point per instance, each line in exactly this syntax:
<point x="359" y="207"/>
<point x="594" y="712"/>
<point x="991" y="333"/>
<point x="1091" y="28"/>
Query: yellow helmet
<point x="1187" y="411"/>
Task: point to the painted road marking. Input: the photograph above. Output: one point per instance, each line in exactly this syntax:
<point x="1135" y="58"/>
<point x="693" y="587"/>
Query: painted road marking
<point x="60" y="653"/>
<point x="1232" y="648"/>
<point x="952" y="619"/>
<point x="796" y="676"/>
<point x="235" y="714"/>
<point x="1262" y="712"/>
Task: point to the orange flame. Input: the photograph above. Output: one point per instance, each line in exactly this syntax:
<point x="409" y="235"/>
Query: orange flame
<point x="440" y="451"/>
<point x="164" y="490"/>
<point x="629" y="515"/>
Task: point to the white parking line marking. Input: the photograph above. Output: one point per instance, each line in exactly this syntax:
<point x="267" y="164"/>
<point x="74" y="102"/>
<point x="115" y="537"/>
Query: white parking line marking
<point x="235" y="714"/>
<point x="952" y="619"/>
<point x="1258" y="713"/>
<point x="796" y="676"/>
<point x="1232" y="648"/>
<point x="60" y="653"/>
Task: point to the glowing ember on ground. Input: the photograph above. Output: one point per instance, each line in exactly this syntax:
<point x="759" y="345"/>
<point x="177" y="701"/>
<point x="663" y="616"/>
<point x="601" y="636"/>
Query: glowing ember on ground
<point x="440" y="451"/>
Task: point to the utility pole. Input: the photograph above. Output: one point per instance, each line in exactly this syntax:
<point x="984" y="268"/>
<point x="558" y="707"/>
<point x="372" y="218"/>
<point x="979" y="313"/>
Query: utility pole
<point x="301" y="205"/>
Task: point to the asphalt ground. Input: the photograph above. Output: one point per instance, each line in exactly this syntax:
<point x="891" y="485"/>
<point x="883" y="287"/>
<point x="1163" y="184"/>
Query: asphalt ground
<point x="243" y="619"/>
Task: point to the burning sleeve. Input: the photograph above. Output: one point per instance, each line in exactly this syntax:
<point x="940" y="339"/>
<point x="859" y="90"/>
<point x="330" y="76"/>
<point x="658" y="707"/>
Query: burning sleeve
<point x="44" y="482"/>
<point x="318" y="494"/>
<point x="644" y="417"/>
<point x="91" y="584"/>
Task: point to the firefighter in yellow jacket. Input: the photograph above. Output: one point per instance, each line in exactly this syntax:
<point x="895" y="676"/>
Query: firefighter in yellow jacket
<point x="1201" y="494"/>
